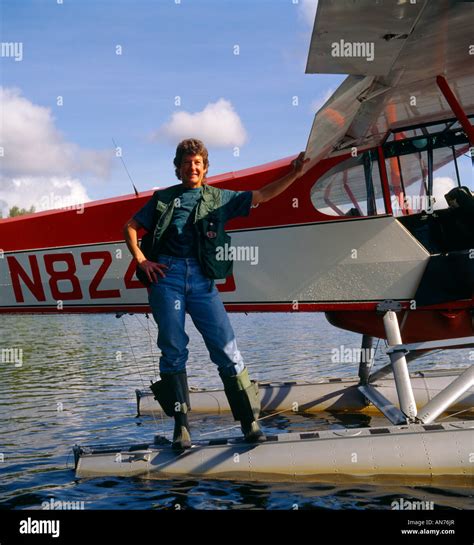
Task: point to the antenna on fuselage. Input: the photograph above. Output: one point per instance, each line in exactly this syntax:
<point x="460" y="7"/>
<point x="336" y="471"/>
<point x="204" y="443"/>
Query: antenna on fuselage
<point x="126" y="169"/>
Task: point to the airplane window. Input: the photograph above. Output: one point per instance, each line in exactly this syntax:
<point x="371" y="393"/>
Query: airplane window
<point x="351" y="188"/>
<point x="409" y="177"/>
<point x="452" y="173"/>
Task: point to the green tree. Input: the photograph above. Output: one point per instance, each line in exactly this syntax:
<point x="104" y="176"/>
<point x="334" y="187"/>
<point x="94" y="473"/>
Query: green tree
<point x="16" y="211"/>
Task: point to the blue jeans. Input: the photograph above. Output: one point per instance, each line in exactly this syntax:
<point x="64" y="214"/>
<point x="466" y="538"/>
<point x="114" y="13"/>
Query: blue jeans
<point x="186" y="289"/>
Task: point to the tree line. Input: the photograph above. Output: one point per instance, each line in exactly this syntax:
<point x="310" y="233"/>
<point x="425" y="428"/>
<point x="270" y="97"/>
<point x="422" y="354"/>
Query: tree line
<point x="17" y="211"/>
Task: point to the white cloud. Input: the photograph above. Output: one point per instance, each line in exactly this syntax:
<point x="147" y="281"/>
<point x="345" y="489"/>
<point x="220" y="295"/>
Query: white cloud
<point x="217" y="125"/>
<point x="33" y="146"/>
<point x="307" y="11"/>
<point x="38" y="162"/>
<point x="44" y="193"/>
<point x="319" y="102"/>
<point x="441" y="186"/>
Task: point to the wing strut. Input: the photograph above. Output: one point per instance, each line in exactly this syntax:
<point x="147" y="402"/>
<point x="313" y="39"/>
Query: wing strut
<point x="456" y="107"/>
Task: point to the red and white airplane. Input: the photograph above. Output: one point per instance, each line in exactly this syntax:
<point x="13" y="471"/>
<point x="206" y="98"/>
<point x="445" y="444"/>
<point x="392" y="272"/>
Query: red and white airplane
<point x="354" y="232"/>
<point x="355" y="237"/>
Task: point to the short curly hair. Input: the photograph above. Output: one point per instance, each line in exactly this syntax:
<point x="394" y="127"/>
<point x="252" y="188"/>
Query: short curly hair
<point x="191" y="146"/>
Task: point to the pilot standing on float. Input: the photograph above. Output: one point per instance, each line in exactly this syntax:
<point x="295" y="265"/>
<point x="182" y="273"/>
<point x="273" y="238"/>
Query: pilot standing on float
<point x="186" y="226"/>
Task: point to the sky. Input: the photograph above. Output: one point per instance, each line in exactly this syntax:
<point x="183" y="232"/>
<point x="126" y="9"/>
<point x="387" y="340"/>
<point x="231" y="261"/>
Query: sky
<point x="146" y="74"/>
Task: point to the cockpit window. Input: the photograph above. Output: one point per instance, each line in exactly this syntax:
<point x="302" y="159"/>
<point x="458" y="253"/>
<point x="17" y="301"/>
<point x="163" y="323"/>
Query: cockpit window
<point x="421" y="170"/>
<point x="351" y="188"/>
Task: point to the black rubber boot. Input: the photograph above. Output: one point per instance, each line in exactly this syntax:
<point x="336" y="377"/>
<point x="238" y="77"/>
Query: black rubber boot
<point x="172" y="393"/>
<point x="244" y="401"/>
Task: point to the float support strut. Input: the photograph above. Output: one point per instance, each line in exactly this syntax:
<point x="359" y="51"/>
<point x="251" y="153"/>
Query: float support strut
<point x="400" y="368"/>
<point x="366" y="359"/>
<point x="447" y="397"/>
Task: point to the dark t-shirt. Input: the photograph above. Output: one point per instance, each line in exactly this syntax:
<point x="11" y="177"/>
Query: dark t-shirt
<point x="178" y="240"/>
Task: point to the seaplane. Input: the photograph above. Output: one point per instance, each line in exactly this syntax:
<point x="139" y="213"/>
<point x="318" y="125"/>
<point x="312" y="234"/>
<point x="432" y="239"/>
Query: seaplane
<point x="373" y="236"/>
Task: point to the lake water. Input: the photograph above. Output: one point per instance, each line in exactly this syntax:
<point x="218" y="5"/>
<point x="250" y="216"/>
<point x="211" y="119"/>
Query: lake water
<point x="76" y="382"/>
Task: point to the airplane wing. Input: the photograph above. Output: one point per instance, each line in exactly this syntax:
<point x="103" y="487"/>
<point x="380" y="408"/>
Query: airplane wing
<point x="393" y="52"/>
